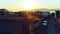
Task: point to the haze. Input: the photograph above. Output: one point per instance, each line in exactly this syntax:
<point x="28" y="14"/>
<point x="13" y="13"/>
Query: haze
<point x="16" y="5"/>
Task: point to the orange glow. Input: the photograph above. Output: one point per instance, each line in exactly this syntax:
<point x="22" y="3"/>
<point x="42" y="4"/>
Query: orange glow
<point x="30" y="17"/>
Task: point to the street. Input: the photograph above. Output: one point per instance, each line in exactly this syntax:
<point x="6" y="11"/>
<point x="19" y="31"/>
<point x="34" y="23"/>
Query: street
<point x="47" y="26"/>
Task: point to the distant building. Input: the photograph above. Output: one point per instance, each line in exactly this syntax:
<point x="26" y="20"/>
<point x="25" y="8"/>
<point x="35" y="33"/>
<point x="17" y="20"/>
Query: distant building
<point x="58" y="13"/>
<point x="36" y="13"/>
<point x="58" y="18"/>
<point x="21" y="14"/>
<point x="11" y="13"/>
<point x="40" y="14"/>
<point x="44" y="14"/>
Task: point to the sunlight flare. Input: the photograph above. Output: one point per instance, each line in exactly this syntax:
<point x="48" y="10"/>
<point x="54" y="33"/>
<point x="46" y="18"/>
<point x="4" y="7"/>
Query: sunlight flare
<point x="28" y="4"/>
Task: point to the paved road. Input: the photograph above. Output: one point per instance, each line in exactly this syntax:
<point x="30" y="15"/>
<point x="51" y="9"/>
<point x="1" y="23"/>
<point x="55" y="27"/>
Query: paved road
<point x="47" y="26"/>
<point x="52" y="28"/>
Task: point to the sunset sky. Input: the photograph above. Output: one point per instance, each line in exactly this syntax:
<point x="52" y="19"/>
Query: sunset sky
<point x="15" y="5"/>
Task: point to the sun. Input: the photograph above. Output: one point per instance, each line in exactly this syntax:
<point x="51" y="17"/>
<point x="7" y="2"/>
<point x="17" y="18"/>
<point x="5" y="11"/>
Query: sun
<point x="28" y="4"/>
